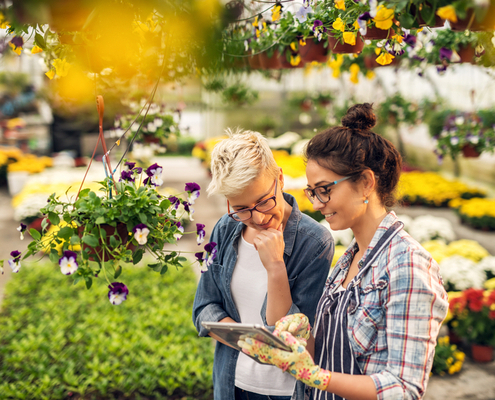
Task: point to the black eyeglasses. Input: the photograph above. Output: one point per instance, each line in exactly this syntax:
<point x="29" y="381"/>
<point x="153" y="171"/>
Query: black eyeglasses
<point x="263" y="206"/>
<point x="322" y="193"/>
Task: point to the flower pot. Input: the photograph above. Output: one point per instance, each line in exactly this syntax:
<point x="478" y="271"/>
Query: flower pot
<point x="268" y="62"/>
<point x="254" y="61"/>
<point x="469" y="151"/>
<point x="466" y="54"/>
<point x="314" y="51"/>
<point x="374" y="33"/>
<point x="121" y="231"/>
<point x="481" y="353"/>
<point x="337" y="47"/>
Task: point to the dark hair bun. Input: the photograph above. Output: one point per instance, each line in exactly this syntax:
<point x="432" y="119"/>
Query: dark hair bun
<point x="360" y="116"/>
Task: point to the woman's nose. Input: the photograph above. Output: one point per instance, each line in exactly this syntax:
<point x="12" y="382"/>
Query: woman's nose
<point x="317" y="204"/>
<point x="258" y="217"/>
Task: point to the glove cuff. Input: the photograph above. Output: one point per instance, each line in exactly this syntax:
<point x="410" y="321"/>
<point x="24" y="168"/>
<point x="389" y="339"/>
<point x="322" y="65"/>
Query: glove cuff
<point x="321" y="379"/>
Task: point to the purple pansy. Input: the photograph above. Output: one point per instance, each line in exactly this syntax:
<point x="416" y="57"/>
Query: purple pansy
<point x="175" y="202"/>
<point x="141" y="232"/>
<point x="17" y="41"/>
<point x="363" y="22"/>
<point x="68" y="263"/>
<point x="192" y="190"/>
<point x="318" y="29"/>
<point x="410" y="39"/>
<point x="126" y="176"/>
<point x="129" y="165"/>
<point x="200" y="231"/>
<point x="118" y="293"/>
<point x="180" y="228"/>
<point x="302" y="13"/>
<point x="199" y="257"/>
<point x="15" y="263"/>
<point x="211" y="253"/>
<point x="188" y="210"/>
<point x="154" y="173"/>
<point x="22" y="228"/>
<point x="137" y="170"/>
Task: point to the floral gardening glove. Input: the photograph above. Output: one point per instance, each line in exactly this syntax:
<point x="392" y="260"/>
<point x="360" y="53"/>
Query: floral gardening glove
<point x="298" y="363"/>
<point x="295" y="324"/>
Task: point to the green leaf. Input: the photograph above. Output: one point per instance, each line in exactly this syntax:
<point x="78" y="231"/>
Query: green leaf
<point x="54" y="218"/>
<point x="90" y="240"/>
<point x="100" y="220"/>
<point x="44" y="224"/>
<point x="137" y="256"/>
<point x="113" y="241"/>
<point x="75" y="239"/>
<point x="164" y="269"/>
<point x="38" y="39"/>
<point x="406" y="20"/>
<point x="35" y="234"/>
<point x="118" y="271"/>
<point x="89" y="282"/>
<point x="54" y="256"/>
<point x="65" y="233"/>
<point x="143" y="218"/>
<point x="182" y="259"/>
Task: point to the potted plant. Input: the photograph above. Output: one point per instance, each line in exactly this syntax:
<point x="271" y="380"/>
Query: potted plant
<point x="475" y="321"/>
<point x="95" y="232"/>
<point x="448" y="358"/>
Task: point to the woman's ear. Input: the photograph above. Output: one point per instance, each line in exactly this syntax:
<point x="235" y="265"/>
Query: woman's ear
<point x="281" y="178"/>
<point x="368" y="181"/>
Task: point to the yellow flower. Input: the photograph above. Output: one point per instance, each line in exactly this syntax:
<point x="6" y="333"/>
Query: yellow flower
<point x="4" y="24"/>
<point x="384" y="18"/>
<point x="302" y="42"/>
<point x="16" y="50"/>
<point x="370" y="75"/>
<point x="340" y="4"/>
<point x="339" y="25"/>
<point x="50" y="74"/>
<point x="295" y="60"/>
<point x="448" y="13"/>
<point x="398" y="38"/>
<point x="489" y="284"/>
<point x="255" y="22"/>
<point x="356" y="25"/>
<point x="293" y="46"/>
<point x="276" y="13"/>
<point x="349" y="38"/>
<point x="36" y="49"/>
<point x="354" y="70"/>
<point x="384" y="58"/>
<point x="61" y="66"/>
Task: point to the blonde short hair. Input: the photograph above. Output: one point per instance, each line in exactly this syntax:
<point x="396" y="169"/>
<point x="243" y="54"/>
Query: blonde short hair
<point x="238" y="160"/>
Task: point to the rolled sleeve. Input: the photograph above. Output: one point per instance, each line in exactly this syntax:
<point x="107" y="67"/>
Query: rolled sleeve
<point x="415" y="309"/>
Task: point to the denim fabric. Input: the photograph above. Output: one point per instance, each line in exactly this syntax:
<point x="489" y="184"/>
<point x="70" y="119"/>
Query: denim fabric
<point x="308" y="253"/>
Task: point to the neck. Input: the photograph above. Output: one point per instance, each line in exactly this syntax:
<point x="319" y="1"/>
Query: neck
<point x="367" y="226"/>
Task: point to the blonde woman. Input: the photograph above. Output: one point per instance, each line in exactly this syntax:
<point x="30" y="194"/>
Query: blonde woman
<point x="272" y="261"/>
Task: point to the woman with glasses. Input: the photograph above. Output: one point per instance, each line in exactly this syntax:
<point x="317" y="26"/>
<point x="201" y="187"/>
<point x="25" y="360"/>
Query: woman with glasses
<point x="383" y="304"/>
<point x="272" y="261"/>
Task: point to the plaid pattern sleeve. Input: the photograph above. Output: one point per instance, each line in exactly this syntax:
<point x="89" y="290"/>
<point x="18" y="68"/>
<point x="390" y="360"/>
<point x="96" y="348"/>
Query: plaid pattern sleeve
<point x="394" y="331"/>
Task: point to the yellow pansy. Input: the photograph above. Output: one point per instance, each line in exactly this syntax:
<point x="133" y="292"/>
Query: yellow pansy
<point x="340" y="4"/>
<point x="384" y="58"/>
<point x="4" y="24"/>
<point x="16" y="50"/>
<point x="295" y="60"/>
<point x="61" y="66"/>
<point x="302" y="42"/>
<point x="370" y="75"/>
<point x="276" y="13"/>
<point x="448" y="13"/>
<point x="339" y="25"/>
<point x="36" y="49"/>
<point x="398" y="38"/>
<point x="50" y="73"/>
<point x="293" y="46"/>
<point x="255" y="22"/>
<point x="349" y="38"/>
<point x="378" y="50"/>
<point x="384" y="18"/>
<point x="354" y="70"/>
<point x="265" y="28"/>
<point x="356" y="25"/>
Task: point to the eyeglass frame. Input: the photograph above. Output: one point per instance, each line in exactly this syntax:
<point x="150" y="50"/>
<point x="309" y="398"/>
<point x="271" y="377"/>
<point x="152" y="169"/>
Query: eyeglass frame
<point x="314" y="194"/>
<point x="274" y="197"/>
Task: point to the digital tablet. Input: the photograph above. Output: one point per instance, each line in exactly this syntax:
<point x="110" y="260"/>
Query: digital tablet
<point x="232" y="332"/>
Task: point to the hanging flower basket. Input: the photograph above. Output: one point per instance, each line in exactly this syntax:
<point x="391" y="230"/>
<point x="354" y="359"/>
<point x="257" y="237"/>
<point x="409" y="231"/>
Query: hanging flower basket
<point x="314" y="51"/>
<point x="481" y="353"/>
<point x="466" y="54"/>
<point x="469" y="151"/>
<point x="286" y="64"/>
<point x="374" y="33"/>
<point x="337" y="47"/>
<point x="270" y="62"/>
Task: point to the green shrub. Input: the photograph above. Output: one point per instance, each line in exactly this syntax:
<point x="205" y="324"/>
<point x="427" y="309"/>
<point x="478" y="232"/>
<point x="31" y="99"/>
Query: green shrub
<point x="59" y="341"/>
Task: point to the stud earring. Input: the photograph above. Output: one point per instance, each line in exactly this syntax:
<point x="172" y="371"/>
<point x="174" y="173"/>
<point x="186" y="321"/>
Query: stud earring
<point x="366" y="200"/>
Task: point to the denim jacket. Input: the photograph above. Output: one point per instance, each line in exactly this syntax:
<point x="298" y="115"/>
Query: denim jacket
<point x="308" y="254"/>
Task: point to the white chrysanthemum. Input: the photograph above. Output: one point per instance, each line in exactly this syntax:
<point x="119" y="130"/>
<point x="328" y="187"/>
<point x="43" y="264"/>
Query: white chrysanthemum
<point x="487" y="264"/>
<point x="428" y="227"/>
<point x="462" y="273"/>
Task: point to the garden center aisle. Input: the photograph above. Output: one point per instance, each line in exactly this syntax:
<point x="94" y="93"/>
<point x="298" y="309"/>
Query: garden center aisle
<point x="476" y="381"/>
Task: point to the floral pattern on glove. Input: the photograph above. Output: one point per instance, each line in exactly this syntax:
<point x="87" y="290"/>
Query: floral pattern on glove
<point x="297" y="362"/>
<point x="295" y="324"/>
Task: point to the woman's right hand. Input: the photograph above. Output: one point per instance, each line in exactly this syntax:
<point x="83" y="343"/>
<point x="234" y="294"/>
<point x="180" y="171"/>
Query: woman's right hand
<point x="296" y="324"/>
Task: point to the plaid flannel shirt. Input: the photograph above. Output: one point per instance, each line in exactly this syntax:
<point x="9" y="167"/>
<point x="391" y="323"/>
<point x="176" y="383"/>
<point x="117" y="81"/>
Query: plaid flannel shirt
<point x="403" y="302"/>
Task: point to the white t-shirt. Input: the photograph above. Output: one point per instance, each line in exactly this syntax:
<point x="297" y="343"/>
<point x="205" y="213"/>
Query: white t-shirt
<point x="248" y="286"/>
